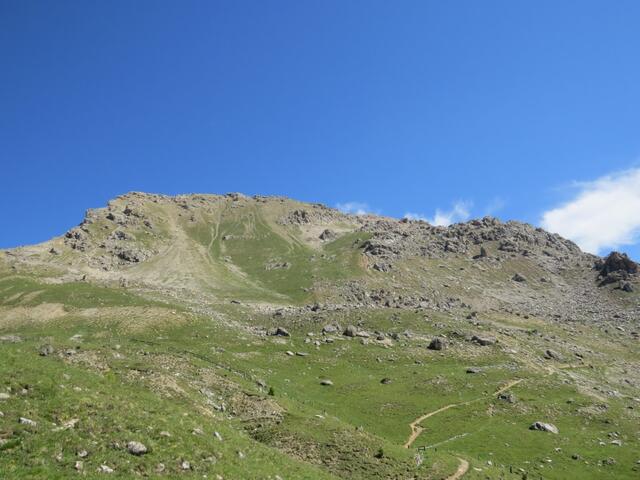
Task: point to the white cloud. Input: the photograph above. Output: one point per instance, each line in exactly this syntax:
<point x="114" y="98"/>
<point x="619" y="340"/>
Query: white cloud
<point x="458" y="213"/>
<point x="604" y="214"/>
<point x="354" y="208"/>
<point x="495" y="205"/>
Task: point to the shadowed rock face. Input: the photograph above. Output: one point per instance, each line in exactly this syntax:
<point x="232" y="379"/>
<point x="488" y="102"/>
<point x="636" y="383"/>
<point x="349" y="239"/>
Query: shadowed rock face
<point x="617" y="261"/>
<point x="616" y="268"/>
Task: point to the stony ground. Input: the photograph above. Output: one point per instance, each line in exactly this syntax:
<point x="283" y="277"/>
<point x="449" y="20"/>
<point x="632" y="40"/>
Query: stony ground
<point x="234" y="337"/>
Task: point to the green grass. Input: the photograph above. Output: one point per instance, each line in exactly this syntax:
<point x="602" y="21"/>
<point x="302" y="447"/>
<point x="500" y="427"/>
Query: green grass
<point x="28" y="292"/>
<point x="123" y="385"/>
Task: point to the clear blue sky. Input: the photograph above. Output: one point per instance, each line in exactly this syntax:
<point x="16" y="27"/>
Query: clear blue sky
<point x="405" y="106"/>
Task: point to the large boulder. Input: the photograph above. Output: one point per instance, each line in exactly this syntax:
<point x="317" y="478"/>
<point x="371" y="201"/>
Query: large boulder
<point x="350" y="331"/>
<point x="544" y="427"/>
<point x="617" y="261"/>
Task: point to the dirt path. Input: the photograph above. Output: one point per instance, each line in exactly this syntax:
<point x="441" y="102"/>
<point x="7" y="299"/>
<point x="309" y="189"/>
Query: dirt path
<point x="462" y="469"/>
<point x="416" y="429"/>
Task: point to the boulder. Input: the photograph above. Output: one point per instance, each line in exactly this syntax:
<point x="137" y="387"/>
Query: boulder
<point x="136" y="448"/>
<point x="483" y="341"/>
<point x="437" y="344"/>
<point x="330" y="329"/>
<point x="507" y="397"/>
<point x="327" y="235"/>
<point x="281" y="332"/>
<point x="28" y="422"/>
<point x="553" y="355"/>
<point x="626" y="286"/>
<point x="518" y="278"/>
<point x="544" y="427"/>
<point x="45" y="350"/>
<point x="350" y="331"/>
<point x="615" y="262"/>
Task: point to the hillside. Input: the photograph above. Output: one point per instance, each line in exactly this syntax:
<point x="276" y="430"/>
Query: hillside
<point x="260" y="337"/>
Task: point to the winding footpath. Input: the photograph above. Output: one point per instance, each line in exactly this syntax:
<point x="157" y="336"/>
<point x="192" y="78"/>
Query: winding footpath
<point x="416" y="429"/>
<point x="462" y="469"/>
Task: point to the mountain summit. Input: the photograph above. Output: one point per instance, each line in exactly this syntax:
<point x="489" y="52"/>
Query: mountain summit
<point x="262" y="337"/>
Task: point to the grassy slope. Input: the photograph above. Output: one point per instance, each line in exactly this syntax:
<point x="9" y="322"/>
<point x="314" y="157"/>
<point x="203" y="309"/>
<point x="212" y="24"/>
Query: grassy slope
<point x="125" y="385"/>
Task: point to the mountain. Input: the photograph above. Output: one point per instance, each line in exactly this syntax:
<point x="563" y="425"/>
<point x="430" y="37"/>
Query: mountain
<point x="261" y="337"/>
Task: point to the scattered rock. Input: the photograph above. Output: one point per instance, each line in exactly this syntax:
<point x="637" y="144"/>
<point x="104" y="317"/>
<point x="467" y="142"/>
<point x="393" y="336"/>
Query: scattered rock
<point x="281" y="332"/>
<point x="507" y="397"/>
<point x="544" y="427"/>
<point x="385" y="381"/>
<point x="27" y="421"/>
<point x="518" y="278"/>
<point x="136" y="448"/>
<point x="626" y="286"/>
<point x="45" y="350"/>
<point x="553" y="355"/>
<point x="474" y="370"/>
<point x="350" y="331"/>
<point x="483" y="341"/>
<point x="327" y="235"/>
<point x="330" y="329"/>
<point x="4" y="396"/>
<point x="10" y="338"/>
<point x="326" y="383"/>
<point x="105" y="469"/>
<point x="437" y="344"/>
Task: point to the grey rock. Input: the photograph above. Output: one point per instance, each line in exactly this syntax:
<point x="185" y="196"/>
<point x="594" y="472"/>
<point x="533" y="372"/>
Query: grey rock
<point x="437" y="344"/>
<point x="350" y="331"/>
<point x="327" y="235"/>
<point x="626" y="286"/>
<point x="553" y="355"/>
<point x="45" y="350"/>
<point x="326" y="382"/>
<point x="507" y="397"/>
<point x="28" y="422"/>
<point x="544" y="427"/>
<point x="281" y="332"/>
<point x="136" y="448"/>
<point x="483" y="341"/>
<point x="10" y="338"/>
<point x="330" y="329"/>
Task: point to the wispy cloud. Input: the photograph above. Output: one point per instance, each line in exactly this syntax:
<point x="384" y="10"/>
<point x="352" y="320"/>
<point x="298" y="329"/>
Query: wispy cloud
<point x="459" y="212"/>
<point x="495" y="205"/>
<point x="354" y="208"/>
<point x="604" y="213"/>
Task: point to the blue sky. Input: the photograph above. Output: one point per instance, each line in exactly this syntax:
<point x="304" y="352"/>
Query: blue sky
<point x="441" y="110"/>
